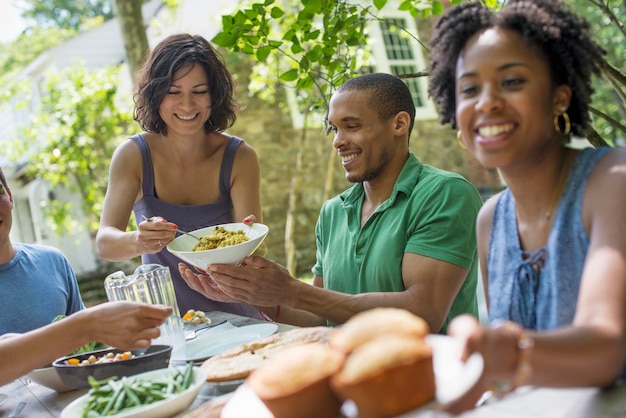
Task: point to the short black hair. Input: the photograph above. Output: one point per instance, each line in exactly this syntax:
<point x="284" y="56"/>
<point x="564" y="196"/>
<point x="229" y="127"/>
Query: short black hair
<point x="388" y="94"/>
<point x="547" y="25"/>
<point x="157" y="74"/>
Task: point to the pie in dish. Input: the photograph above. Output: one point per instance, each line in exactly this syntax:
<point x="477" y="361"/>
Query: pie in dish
<point x="238" y="362"/>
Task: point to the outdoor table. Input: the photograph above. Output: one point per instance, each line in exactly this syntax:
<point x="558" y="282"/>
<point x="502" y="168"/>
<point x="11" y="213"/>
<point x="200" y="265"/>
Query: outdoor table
<point x="527" y="402"/>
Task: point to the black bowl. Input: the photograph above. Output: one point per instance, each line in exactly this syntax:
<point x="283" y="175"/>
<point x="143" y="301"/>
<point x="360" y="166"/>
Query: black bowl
<point x="76" y="377"/>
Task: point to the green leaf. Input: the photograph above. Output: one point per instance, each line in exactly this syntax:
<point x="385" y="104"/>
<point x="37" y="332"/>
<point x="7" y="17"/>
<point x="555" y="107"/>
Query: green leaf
<point x="224" y="40"/>
<point x="290" y="75"/>
<point x="437" y="8"/>
<point x="380" y="3"/>
<point x="263" y="52"/>
<point x="276" y="12"/>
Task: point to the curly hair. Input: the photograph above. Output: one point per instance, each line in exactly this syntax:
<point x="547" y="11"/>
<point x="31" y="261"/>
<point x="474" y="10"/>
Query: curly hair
<point x="561" y="36"/>
<point x="389" y="95"/>
<point x="157" y="74"/>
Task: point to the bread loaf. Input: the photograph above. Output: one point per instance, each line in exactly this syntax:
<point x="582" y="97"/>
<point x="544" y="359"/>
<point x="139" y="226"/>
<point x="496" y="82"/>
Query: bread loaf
<point x="387" y="376"/>
<point x="376" y="323"/>
<point x="296" y="384"/>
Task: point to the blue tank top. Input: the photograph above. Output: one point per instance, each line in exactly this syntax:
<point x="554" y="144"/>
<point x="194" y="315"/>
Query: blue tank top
<point x="540" y="290"/>
<point x="188" y="218"/>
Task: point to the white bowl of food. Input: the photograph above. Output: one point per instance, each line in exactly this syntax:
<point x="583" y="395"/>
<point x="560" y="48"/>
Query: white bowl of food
<point x="177" y="388"/>
<point x="222" y="244"/>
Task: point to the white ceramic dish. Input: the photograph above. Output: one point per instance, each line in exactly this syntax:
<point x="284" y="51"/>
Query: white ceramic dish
<point x="452" y="378"/>
<point x="3" y="398"/>
<point x="161" y="409"/>
<point x="48" y="377"/>
<point x="208" y="344"/>
<point x="182" y="246"/>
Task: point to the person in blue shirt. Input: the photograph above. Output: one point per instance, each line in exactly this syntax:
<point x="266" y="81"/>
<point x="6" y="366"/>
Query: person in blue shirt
<point x="37" y="282"/>
<point x="124" y="325"/>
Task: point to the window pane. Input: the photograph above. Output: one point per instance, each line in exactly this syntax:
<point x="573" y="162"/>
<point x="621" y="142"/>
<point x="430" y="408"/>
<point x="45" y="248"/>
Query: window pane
<point x="412" y="83"/>
<point x="396" y="41"/>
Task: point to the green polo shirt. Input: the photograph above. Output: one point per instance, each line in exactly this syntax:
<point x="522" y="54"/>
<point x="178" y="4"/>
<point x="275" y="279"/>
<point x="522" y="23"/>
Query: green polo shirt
<point x="430" y="212"/>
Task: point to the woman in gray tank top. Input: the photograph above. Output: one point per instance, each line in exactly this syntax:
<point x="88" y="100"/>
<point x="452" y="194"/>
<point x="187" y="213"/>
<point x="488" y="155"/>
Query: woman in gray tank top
<point x="183" y="171"/>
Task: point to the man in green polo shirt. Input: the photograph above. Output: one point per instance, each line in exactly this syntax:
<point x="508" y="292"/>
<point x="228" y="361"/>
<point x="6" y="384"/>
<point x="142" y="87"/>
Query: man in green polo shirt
<point x="402" y="236"/>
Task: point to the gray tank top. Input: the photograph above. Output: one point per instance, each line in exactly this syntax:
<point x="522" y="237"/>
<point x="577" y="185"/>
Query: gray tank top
<point x="540" y="289"/>
<point x="188" y="218"/>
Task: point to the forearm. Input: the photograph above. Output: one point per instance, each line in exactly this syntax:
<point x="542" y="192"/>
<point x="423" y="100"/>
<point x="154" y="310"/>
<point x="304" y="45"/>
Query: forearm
<point x="338" y="307"/>
<point x="116" y="245"/>
<point x="287" y="315"/>
<point x="581" y="356"/>
<point x="21" y="354"/>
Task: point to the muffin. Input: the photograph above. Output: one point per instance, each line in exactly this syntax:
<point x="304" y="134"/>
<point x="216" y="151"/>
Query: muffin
<point x="375" y="323"/>
<point x="296" y="383"/>
<point x="387" y="376"/>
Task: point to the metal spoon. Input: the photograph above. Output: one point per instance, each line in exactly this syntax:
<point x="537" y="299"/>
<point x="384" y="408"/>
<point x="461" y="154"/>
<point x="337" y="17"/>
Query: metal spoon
<point x="193" y="333"/>
<point x="178" y="230"/>
<point x="190" y="234"/>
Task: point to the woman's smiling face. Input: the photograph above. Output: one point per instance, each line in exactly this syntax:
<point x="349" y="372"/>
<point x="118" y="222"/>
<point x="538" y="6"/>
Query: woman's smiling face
<point x="505" y="98"/>
<point x="187" y="104"/>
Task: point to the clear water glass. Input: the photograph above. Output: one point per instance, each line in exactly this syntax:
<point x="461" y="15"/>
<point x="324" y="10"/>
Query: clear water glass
<point x="150" y="283"/>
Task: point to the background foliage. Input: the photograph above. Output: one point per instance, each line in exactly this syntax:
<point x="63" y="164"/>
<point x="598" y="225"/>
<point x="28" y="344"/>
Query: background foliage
<point x="309" y="46"/>
<point x="72" y="135"/>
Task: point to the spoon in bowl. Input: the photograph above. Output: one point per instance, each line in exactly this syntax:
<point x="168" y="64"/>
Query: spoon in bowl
<point x="178" y="230"/>
<point x="190" y="234"/>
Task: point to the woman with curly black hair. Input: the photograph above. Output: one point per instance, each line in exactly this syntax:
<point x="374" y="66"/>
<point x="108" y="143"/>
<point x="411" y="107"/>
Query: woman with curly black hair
<point x="517" y="84"/>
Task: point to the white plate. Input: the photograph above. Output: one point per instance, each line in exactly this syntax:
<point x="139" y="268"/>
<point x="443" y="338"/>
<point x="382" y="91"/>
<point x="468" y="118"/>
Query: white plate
<point x="161" y="409"/>
<point x="188" y="326"/>
<point x="3" y="398"/>
<point x="48" y="377"/>
<point x="208" y="344"/>
<point x="452" y="378"/>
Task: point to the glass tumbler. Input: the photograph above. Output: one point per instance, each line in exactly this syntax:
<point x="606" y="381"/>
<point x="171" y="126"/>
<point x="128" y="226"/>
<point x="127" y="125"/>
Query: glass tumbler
<point x="150" y="283"/>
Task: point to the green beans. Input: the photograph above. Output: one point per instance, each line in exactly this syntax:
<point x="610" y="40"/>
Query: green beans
<point x="110" y="397"/>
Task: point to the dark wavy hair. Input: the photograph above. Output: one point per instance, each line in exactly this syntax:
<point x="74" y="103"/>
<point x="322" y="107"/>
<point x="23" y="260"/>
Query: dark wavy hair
<point x="157" y="74"/>
<point x="388" y="94"/>
<point x="547" y="25"/>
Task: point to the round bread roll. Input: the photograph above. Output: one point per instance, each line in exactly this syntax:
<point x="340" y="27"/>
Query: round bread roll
<point x="387" y="376"/>
<point x="296" y="383"/>
<point x="375" y="323"/>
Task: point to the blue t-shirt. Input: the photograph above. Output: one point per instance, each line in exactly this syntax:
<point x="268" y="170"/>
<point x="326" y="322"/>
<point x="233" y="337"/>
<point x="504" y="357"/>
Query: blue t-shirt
<point x="35" y="286"/>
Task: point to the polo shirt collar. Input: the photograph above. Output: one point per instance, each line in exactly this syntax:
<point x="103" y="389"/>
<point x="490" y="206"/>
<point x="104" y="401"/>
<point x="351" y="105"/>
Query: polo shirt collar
<point x="406" y="182"/>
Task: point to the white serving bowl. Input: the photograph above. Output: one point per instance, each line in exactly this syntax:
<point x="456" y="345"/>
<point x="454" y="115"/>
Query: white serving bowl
<point x="182" y="246"/>
<point x="165" y="408"/>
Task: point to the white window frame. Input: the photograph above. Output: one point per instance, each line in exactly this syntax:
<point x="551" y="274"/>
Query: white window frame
<point x="384" y="65"/>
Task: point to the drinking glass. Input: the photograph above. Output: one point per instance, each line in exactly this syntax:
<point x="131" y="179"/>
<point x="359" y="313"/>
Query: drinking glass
<point x="150" y="283"/>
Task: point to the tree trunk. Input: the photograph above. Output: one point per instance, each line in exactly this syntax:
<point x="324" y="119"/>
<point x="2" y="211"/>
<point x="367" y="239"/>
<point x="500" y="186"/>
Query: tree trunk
<point x="292" y="207"/>
<point x="134" y="34"/>
<point x="329" y="184"/>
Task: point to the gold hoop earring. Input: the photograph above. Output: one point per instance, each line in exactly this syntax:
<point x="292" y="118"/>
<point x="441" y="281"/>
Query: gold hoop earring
<point x="459" y="138"/>
<point x="566" y="122"/>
